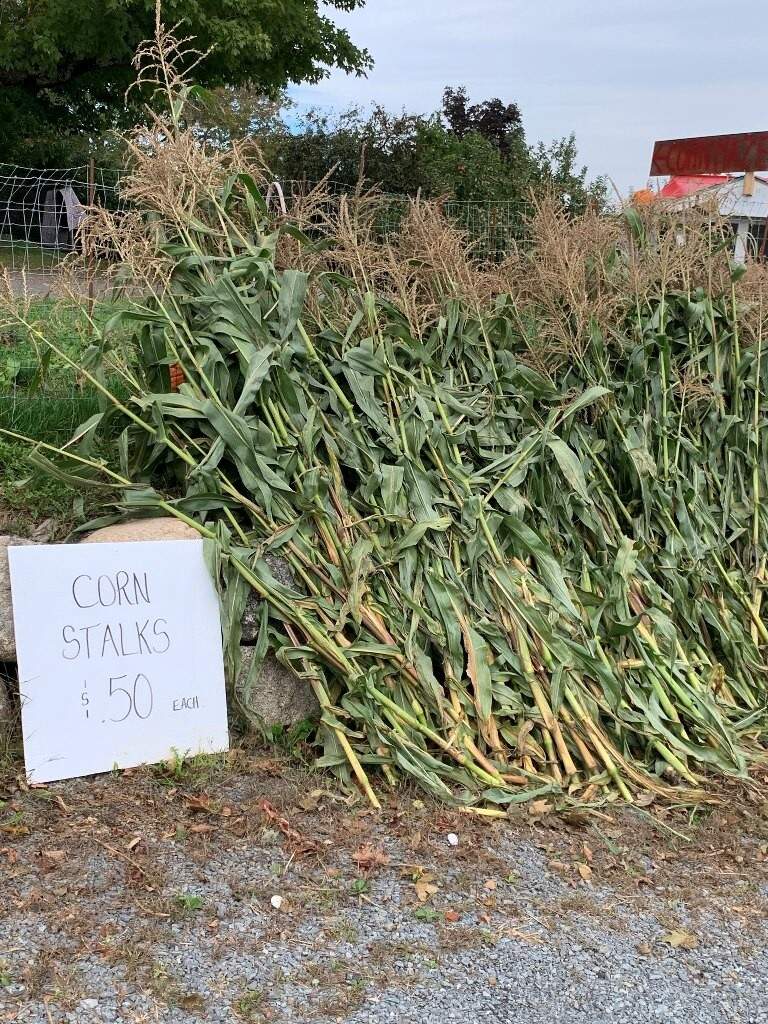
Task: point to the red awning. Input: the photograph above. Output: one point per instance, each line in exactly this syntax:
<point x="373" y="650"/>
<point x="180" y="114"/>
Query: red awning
<point x="681" y="185"/>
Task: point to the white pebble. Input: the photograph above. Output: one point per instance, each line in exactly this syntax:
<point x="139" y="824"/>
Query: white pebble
<point x="277" y="902"/>
<point x="453" y="839"/>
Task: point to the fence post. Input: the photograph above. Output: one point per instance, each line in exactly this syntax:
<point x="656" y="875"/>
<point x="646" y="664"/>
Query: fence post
<point x="91" y="260"/>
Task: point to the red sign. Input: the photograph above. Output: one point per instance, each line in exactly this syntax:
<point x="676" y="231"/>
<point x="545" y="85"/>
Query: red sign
<point x="711" y="154"/>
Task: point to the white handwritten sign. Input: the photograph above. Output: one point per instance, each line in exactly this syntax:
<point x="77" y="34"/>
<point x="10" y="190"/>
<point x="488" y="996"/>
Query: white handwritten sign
<point x="119" y="655"/>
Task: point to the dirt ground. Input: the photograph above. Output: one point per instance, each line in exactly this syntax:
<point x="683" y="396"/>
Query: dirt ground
<point x="214" y="890"/>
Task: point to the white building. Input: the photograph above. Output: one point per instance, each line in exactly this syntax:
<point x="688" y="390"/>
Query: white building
<point x="741" y="198"/>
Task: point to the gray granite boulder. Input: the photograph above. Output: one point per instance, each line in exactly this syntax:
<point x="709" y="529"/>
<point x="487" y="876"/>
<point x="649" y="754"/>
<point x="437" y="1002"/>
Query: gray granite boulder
<point x="6" y="715"/>
<point x="277" y="696"/>
<point x="7" y="639"/>
<point x="281" y="570"/>
<point x="156" y="528"/>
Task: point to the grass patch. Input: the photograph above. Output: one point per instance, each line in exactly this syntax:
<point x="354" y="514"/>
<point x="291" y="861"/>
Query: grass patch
<point x="63" y="322"/>
<point x="15" y="255"/>
<point x="27" y="497"/>
<point x="250" y="1006"/>
<point x="46" y="399"/>
<point x="187" y="903"/>
<point x="196" y="771"/>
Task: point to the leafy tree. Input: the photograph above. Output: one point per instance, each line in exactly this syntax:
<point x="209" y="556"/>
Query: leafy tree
<point x="499" y="123"/>
<point x="65" y="64"/>
<point x="555" y="167"/>
<point x="467" y="152"/>
<point x="230" y="113"/>
<point x="474" y="155"/>
<point x="378" y="146"/>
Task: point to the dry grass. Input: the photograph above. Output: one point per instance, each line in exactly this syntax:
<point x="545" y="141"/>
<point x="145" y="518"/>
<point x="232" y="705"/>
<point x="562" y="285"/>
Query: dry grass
<point x="572" y="275"/>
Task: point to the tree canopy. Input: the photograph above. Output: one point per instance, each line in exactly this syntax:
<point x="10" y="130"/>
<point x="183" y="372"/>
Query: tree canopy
<point x="499" y="123"/>
<point x="65" y="64"/>
<point x="464" y="151"/>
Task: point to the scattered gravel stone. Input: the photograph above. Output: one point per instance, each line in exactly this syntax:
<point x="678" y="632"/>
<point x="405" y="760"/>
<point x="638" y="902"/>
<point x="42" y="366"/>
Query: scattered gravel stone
<point x="512" y="933"/>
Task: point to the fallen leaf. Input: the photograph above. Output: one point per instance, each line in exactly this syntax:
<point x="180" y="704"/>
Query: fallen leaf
<point x="585" y="871"/>
<point x="12" y="829"/>
<point x="200" y="804"/>
<point x="452" y="916"/>
<point x="191" y="1002"/>
<point x="490" y="884"/>
<point x="300" y="843"/>
<point x="312" y="801"/>
<point x="368" y="857"/>
<point x="588" y="854"/>
<point x="644" y="799"/>
<point x="748" y="911"/>
<point x="425" y="887"/>
<point x="538" y="808"/>
<point x="558" y="865"/>
<point x="309" y="803"/>
<point x="515" y="933"/>
<point x="680" y="939"/>
<point x="51" y="858"/>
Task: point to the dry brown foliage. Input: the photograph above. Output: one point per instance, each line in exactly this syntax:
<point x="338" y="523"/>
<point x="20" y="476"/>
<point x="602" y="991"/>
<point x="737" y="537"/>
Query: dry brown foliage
<point x="571" y="276"/>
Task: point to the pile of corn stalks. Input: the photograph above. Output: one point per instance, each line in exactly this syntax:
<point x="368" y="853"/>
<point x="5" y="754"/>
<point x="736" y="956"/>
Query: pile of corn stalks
<point x="507" y="583"/>
<point x="521" y="567"/>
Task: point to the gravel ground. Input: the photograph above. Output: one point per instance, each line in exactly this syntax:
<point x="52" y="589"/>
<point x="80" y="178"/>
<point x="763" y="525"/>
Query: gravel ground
<point x="46" y="283"/>
<point x="149" y="897"/>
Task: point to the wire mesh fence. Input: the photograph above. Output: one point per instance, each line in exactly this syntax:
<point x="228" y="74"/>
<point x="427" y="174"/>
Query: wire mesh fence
<point x="41" y="210"/>
<point x="48" y="406"/>
<point x="492" y="226"/>
<point x="40" y="213"/>
<point x="42" y="395"/>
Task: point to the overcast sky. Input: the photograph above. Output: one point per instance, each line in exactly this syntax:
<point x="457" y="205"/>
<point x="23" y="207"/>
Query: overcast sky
<point x="619" y="73"/>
